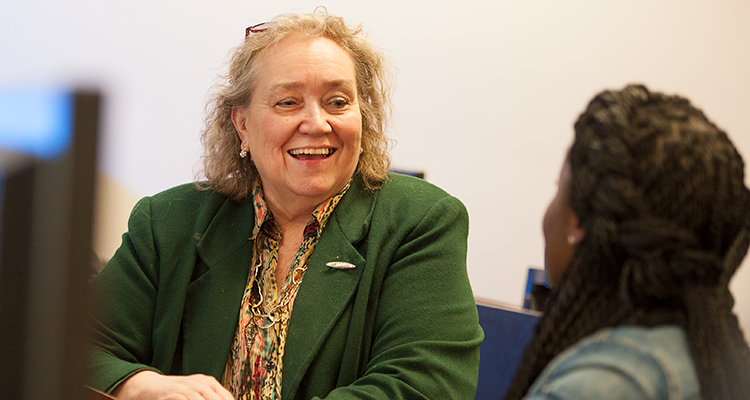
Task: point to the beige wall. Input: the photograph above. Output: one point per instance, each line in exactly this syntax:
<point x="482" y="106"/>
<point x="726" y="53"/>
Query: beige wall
<point x="486" y="93"/>
<point x="112" y="208"/>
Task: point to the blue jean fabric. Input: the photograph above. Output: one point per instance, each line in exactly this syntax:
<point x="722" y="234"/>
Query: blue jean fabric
<point x="622" y="363"/>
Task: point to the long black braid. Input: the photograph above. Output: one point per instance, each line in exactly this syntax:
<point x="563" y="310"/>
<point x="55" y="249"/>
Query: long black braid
<point x="659" y="191"/>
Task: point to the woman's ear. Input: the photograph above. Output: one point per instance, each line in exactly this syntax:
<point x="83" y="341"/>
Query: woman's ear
<point x="574" y="230"/>
<point x="238" y="119"/>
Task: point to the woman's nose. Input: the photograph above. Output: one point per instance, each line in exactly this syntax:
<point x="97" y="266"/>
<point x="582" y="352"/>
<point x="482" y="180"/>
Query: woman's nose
<point x="315" y="120"/>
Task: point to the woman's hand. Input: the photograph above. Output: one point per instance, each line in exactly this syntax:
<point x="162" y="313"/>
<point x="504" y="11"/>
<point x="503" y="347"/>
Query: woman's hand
<point x="149" y="385"/>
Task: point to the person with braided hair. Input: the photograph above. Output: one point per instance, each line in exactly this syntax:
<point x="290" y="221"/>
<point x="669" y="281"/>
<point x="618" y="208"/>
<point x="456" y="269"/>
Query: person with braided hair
<point x="648" y="226"/>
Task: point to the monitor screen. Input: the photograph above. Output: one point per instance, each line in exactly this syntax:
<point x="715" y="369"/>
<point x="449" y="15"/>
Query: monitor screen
<point x="47" y="175"/>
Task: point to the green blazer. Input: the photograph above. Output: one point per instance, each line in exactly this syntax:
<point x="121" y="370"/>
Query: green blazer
<point x="402" y="324"/>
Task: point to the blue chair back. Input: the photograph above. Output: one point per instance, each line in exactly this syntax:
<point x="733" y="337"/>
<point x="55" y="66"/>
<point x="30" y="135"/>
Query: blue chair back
<point x="507" y="331"/>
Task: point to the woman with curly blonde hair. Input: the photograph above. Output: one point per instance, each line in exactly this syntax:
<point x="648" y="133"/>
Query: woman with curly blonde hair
<point x="233" y="176"/>
<point x="300" y="268"/>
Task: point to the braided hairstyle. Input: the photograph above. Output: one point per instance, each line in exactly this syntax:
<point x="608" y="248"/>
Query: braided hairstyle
<point x="659" y="192"/>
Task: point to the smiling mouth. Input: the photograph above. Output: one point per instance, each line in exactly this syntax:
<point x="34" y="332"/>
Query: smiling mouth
<point x="311" y="154"/>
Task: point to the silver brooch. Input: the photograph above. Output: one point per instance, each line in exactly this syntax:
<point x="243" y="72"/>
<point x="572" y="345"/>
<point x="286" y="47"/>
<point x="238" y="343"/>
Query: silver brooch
<point x="340" y="265"/>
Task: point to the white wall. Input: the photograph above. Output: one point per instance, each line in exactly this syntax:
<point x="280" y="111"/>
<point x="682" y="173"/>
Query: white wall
<point x="487" y="90"/>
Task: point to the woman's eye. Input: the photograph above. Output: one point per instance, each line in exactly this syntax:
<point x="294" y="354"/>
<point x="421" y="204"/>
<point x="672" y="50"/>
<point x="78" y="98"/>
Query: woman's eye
<point x="338" y="102"/>
<point x="286" y="103"/>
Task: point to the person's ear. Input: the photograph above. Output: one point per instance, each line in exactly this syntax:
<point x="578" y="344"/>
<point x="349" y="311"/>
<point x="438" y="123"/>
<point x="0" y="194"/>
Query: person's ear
<point x="239" y="119"/>
<point x="575" y="232"/>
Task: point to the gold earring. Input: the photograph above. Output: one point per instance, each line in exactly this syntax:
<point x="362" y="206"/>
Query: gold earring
<point x="243" y="153"/>
<point x="572" y="239"/>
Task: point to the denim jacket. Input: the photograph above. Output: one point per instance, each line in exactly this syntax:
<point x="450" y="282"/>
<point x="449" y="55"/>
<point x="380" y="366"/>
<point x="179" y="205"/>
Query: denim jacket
<point x="621" y="363"/>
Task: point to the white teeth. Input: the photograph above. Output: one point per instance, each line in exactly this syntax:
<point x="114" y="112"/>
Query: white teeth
<point x="310" y="151"/>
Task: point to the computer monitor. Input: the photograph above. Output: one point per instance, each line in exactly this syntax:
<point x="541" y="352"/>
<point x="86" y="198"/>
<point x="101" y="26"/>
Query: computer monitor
<point x="47" y="175"/>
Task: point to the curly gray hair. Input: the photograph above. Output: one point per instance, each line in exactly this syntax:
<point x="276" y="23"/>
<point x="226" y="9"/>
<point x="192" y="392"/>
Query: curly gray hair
<point x="232" y="176"/>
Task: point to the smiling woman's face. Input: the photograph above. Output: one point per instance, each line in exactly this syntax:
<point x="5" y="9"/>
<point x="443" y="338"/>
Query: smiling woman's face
<point x="303" y="127"/>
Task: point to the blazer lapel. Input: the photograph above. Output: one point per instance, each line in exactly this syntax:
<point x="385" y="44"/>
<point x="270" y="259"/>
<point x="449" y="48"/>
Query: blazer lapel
<point x="325" y="291"/>
<point x="213" y="298"/>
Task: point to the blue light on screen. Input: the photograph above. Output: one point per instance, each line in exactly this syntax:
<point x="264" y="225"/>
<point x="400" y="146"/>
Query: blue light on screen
<point x="38" y="122"/>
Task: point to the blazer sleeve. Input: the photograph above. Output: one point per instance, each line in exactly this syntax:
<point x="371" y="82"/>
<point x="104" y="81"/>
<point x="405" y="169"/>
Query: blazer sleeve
<point x="426" y="333"/>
